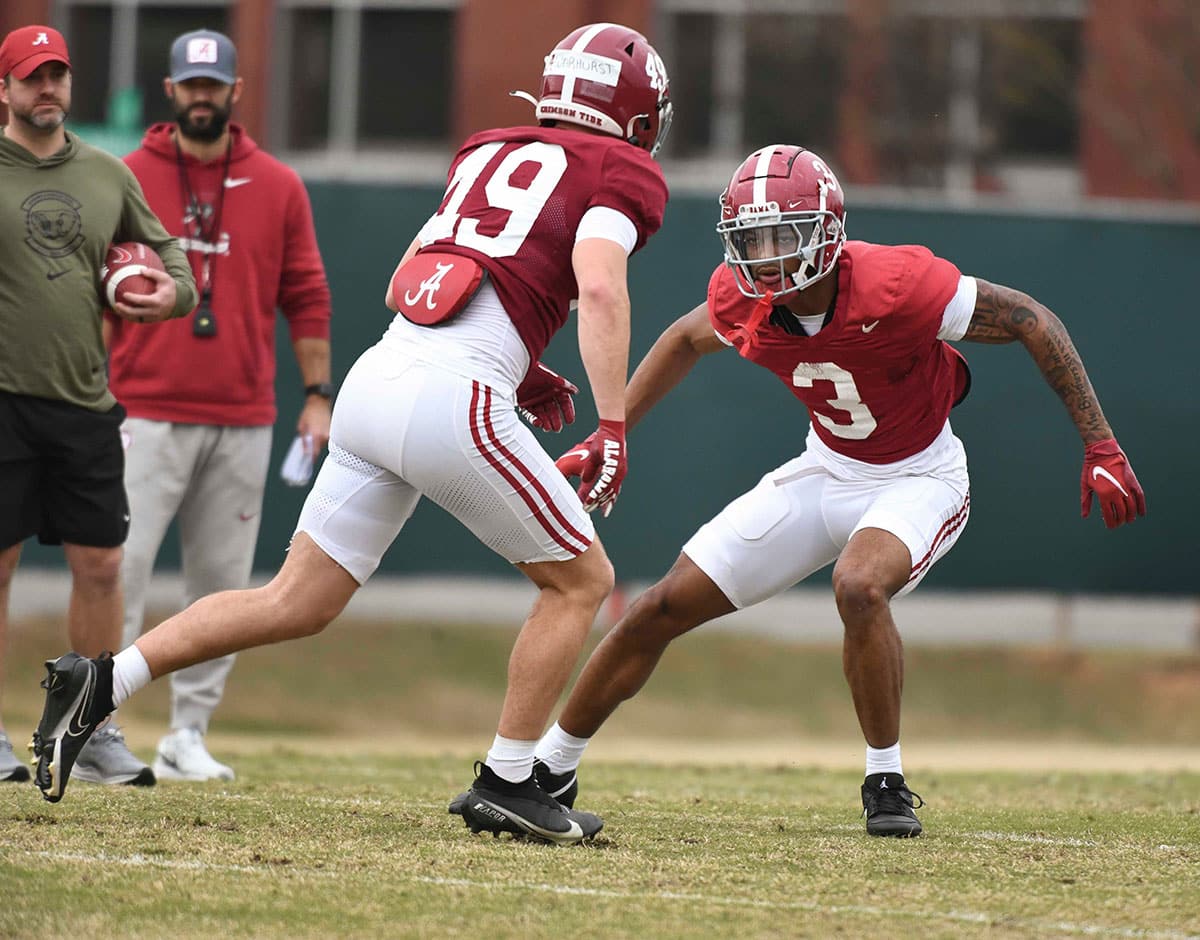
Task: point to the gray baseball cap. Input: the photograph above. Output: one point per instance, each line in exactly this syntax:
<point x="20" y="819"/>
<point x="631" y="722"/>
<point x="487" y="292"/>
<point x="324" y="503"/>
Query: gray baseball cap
<point x="204" y="53"/>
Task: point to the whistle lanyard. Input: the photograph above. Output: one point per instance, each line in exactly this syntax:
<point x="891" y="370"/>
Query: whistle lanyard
<point x="209" y="235"/>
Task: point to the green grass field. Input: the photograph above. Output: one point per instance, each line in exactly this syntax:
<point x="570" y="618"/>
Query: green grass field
<point x="729" y="790"/>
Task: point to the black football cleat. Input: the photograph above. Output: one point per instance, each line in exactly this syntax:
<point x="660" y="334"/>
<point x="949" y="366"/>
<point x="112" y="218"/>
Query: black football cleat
<point x="563" y="787"/>
<point x="78" y="699"/>
<point x="888" y="804"/>
<point x="523" y="809"/>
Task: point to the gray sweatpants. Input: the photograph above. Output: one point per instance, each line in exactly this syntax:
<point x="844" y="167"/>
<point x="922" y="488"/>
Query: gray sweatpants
<point x="211" y="479"/>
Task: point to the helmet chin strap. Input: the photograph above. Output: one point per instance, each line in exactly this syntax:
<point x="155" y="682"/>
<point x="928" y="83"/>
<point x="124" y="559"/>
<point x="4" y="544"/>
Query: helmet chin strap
<point x="525" y="96"/>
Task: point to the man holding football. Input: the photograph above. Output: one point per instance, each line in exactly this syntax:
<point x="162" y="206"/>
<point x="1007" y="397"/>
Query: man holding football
<point x="532" y="218"/>
<point x="62" y="202"/>
<point x="859" y="333"/>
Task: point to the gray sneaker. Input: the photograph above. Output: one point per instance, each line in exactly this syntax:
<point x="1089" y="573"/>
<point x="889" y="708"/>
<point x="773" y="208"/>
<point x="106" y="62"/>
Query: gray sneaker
<point x="11" y="768"/>
<point x="106" y="759"/>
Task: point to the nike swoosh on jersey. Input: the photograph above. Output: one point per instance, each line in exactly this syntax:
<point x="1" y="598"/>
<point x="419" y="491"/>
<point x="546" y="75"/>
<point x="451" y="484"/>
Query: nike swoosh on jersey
<point x="1098" y="472"/>
<point x="867" y="329"/>
<point x="235" y="183"/>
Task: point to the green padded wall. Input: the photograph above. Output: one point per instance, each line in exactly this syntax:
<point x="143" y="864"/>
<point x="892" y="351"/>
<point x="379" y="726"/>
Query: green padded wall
<point x="1125" y="290"/>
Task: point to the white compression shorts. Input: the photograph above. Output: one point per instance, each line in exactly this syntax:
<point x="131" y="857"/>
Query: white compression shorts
<point x="405" y="428"/>
<point x="800" y="516"/>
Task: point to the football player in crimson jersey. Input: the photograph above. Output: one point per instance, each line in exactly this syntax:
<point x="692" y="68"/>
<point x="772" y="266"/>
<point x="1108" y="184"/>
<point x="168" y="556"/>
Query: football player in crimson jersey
<point x="532" y="218"/>
<point x="859" y="333"/>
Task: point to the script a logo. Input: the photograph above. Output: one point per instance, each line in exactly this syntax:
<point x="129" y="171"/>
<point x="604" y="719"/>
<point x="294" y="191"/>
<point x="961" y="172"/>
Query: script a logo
<point x="429" y="286"/>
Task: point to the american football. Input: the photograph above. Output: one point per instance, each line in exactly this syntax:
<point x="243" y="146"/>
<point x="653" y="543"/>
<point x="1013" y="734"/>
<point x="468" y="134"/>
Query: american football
<point x="121" y="273"/>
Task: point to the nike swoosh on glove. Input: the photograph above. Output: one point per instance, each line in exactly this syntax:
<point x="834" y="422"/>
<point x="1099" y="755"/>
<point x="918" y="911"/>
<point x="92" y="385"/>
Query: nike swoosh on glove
<point x="600" y="462"/>
<point x="544" y="399"/>
<point x="1107" y="474"/>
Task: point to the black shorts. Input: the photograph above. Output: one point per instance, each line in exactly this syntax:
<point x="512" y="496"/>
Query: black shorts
<point x="62" y="473"/>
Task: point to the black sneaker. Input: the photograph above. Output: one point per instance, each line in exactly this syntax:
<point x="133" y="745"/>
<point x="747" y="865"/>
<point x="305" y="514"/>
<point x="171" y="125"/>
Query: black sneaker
<point x="563" y="787"/>
<point x="78" y="699"/>
<point x="524" y="809"/>
<point x="888" y="804"/>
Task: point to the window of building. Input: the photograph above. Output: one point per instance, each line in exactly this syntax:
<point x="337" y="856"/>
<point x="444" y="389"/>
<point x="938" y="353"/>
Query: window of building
<point x="89" y="30"/>
<point x="406" y="78"/>
<point x="692" y="85"/>
<point x="793" y="75"/>
<point x="305" y="95"/>
<point x="348" y="75"/>
<point x="1029" y="94"/>
<point x="957" y="95"/>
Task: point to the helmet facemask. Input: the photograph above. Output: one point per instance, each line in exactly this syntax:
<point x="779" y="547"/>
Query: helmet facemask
<point x="666" y="114"/>
<point x="761" y="235"/>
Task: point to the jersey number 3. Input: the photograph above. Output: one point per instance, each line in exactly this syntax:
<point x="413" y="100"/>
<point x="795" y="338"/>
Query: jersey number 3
<point x="522" y="203"/>
<point x="862" y="422"/>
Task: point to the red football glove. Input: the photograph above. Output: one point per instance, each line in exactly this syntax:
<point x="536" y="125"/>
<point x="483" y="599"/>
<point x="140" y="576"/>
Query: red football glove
<point x="1106" y="472"/>
<point x="600" y="463"/>
<point x="544" y="398"/>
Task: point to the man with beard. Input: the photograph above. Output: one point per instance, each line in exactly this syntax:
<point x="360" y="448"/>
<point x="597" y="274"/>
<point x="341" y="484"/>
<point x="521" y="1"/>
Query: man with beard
<point x="62" y="203"/>
<point x="200" y="391"/>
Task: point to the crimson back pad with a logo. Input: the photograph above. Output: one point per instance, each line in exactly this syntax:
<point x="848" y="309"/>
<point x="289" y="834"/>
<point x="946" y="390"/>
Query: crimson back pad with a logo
<point x="433" y="287"/>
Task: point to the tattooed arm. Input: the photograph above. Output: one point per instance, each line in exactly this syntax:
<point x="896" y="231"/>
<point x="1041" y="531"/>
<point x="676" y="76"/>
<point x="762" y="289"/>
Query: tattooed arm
<point x="1003" y="315"/>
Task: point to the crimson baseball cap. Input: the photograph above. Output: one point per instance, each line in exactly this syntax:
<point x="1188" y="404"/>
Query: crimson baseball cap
<point x="24" y="49"/>
<point x="204" y="53"/>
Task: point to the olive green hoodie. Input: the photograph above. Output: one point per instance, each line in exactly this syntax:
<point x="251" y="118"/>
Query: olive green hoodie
<point x="57" y="219"/>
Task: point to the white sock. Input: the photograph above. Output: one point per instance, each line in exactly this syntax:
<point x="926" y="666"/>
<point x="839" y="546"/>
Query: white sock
<point x="131" y="672"/>
<point x="511" y="760"/>
<point x="884" y="760"/>
<point x="560" y="751"/>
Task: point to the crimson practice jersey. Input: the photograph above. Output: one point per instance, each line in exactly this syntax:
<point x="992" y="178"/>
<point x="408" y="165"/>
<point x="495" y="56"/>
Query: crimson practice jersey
<point x="876" y="380"/>
<point x="514" y="199"/>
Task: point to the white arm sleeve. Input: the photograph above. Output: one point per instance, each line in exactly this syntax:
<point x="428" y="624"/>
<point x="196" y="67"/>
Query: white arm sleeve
<point x="957" y="315"/>
<point x="603" y="222"/>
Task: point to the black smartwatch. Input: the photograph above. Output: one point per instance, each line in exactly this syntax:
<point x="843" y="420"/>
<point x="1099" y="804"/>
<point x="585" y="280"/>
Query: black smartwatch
<point x="324" y="389"/>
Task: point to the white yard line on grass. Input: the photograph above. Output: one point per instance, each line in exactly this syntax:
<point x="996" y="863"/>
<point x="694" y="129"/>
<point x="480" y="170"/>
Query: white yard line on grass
<point x="890" y="913"/>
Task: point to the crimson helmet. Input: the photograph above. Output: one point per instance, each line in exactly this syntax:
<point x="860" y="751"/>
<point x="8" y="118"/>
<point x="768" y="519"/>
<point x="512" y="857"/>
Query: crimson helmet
<point x="783" y="202"/>
<point x="607" y="77"/>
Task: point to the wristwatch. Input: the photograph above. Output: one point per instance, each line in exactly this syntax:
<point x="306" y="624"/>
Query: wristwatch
<point x="324" y="389"/>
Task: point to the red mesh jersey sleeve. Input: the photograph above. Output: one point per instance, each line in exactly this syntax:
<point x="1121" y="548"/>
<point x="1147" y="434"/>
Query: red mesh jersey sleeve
<point x="633" y="184"/>
<point x="925" y="286"/>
